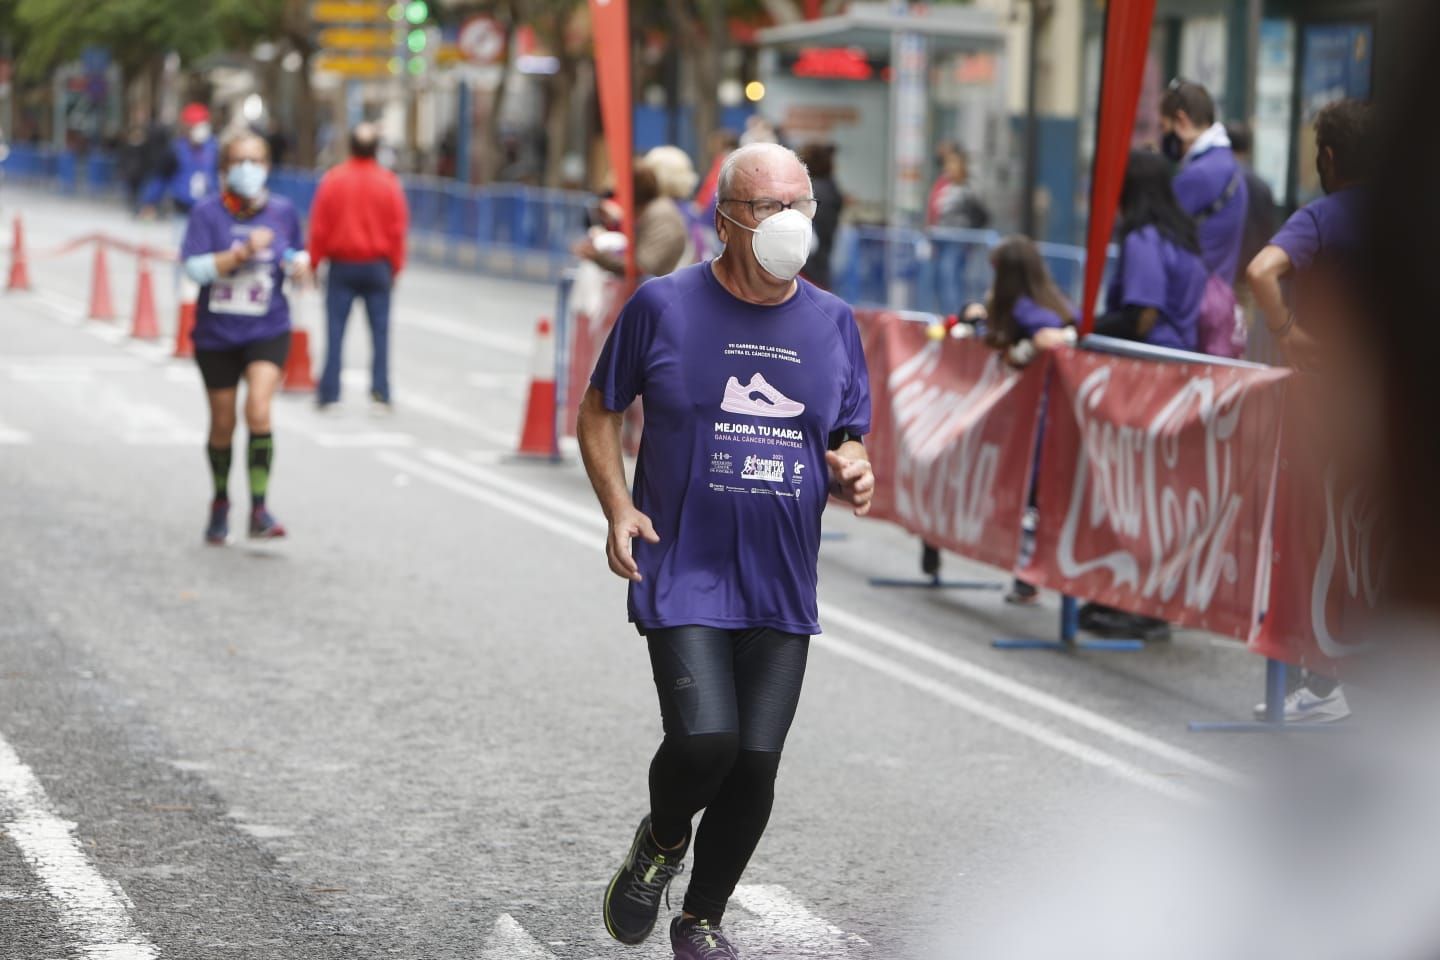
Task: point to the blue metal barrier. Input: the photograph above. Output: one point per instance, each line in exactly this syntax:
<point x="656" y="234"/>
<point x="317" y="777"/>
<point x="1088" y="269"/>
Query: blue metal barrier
<point x="527" y="232"/>
<point x="936" y="271"/>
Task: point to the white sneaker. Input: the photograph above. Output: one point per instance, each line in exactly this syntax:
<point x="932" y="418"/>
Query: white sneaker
<point x="1303" y="706"/>
<point x="771" y="402"/>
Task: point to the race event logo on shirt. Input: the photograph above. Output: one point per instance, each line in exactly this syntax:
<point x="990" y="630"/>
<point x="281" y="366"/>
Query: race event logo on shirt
<point x="771" y="470"/>
<point x="758" y="399"/>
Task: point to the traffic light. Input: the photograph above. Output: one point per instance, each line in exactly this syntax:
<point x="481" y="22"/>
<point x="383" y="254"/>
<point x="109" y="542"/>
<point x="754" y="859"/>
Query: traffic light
<point x="417" y="11"/>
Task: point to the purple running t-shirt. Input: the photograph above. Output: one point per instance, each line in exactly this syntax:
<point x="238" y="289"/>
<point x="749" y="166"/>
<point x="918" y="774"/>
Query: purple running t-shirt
<point x="740" y="401"/>
<point x="1327" y="227"/>
<point x="250" y="304"/>
<point x="1153" y="272"/>
<point x="1202" y="182"/>
<point x="1031" y="317"/>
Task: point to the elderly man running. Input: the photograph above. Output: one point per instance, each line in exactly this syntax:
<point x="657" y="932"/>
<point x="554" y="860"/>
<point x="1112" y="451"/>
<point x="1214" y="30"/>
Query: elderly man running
<point x="756" y="398"/>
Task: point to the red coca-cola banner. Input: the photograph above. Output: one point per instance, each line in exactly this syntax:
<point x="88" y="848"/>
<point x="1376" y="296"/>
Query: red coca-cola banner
<point x="952" y="439"/>
<point x="1155" y="487"/>
<point x="1329" y="558"/>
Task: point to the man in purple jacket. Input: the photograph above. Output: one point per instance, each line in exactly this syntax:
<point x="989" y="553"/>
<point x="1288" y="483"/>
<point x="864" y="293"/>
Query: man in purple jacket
<point x="1210" y="183"/>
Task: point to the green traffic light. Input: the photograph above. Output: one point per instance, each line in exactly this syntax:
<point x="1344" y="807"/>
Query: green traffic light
<point x="417" y="65"/>
<point x="416" y="41"/>
<point x="417" y="11"/>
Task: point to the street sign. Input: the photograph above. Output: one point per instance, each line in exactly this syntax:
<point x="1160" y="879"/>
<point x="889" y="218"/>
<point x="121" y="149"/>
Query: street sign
<point x="482" y="40"/>
<point x="358" y="38"/>
<point x="348" y="11"/>
<point x="356" y="67"/>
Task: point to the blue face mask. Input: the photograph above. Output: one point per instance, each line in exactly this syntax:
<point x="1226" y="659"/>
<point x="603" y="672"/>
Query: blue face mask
<point x="247" y="178"/>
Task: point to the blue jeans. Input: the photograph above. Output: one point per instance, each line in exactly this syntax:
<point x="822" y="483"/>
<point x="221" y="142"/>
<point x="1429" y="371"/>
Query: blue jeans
<point x="370" y="280"/>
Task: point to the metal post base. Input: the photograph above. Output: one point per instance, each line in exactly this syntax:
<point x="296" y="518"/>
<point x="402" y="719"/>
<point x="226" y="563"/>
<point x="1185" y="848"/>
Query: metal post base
<point x="1068" y="646"/>
<point x="1275" y="691"/>
<point x="1070" y="640"/>
<point x="935" y="583"/>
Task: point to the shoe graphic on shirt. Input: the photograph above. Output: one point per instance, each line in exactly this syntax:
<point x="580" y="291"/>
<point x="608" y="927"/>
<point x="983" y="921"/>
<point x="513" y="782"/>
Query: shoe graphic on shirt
<point x="759" y="399"/>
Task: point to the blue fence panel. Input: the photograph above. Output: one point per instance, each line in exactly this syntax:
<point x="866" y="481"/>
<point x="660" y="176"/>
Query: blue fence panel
<point x="528" y="231"/>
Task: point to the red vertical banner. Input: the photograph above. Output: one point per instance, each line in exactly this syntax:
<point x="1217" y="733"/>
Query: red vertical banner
<point x="612" y="77"/>
<point x="1127" y="40"/>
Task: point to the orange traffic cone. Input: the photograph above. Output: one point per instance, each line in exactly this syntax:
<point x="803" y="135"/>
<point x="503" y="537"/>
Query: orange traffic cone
<point x="101" y="308"/>
<point x="537" y="436"/>
<point x="19" y="270"/>
<point x="185" y="330"/>
<point x="298" y="377"/>
<point x="145" y="326"/>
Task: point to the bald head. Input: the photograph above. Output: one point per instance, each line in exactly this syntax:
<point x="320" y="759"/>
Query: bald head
<point x="763" y="170"/>
<point x="364" y="140"/>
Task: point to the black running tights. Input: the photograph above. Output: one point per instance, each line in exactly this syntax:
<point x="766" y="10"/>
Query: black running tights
<point x="727" y="698"/>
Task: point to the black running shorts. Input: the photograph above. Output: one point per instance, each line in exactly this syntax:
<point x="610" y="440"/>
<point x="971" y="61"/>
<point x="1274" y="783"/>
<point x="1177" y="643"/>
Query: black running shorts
<point x="222" y="369"/>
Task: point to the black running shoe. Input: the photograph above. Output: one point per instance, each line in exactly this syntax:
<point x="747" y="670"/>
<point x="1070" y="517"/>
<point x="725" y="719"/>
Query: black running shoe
<point x="219" y="529"/>
<point x="632" y="901"/>
<point x="698" y="940"/>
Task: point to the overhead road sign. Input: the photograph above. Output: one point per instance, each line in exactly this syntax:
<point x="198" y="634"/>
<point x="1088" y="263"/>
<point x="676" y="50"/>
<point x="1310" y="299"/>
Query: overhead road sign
<point x="357" y="67"/>
<point x="347" y="11"/>
<point x="358" y="38"/>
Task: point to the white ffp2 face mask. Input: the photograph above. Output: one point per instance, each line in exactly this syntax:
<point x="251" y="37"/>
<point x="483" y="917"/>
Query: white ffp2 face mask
<point x="781" y="243"/>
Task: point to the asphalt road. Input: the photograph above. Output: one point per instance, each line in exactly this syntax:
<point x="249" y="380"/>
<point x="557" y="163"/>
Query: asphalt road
<point x="420" y="727"/>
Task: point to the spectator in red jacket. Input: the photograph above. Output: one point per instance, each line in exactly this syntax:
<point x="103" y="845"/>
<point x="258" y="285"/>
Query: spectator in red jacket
<point x="358" y="223"/>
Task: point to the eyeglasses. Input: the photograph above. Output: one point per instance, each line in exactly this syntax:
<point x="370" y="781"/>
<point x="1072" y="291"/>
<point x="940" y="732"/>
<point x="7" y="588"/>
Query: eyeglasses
<point x="766" y="207"/>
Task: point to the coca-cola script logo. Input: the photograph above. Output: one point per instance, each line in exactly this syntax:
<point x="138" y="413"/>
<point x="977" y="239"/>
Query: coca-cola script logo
<point x="941" y="485"/>
<point x="1351" y="536"/>
<point x="1174" y="519"/>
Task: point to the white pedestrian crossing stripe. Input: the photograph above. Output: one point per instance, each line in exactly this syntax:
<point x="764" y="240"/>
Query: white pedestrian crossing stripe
<point x="764" y="920"/>
<point x="9" y="436"/>
<point x="509" y="941"/>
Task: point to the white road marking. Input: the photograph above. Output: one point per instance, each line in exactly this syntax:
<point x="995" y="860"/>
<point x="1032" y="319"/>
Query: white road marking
<point x="471" y="423"/>
<point x="409" y="401"/>
<point x="1004" y="718"/>
<point x="468" y="332"/>
<point x="43" y="374"/>
<point x="509" y="941"/>
<point x="95" y="912"/>
<point x="148" y="424"/>
<point x="783" y="923"/>
<point x="364" y="440"/>
<point x="588" y="529"/>
<point x="1028" y="695"/>
<point x="9" y="436"/>
<point x="67" y="309"/>
<point x="509" y="382"/>
<point x="107" y="362"/>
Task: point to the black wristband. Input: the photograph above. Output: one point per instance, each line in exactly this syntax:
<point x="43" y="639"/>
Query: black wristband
<point x="841" y="436"/>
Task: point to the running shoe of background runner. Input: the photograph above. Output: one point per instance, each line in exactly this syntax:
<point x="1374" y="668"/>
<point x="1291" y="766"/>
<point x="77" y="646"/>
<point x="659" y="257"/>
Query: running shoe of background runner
<point x="379" y="406"/>
<point x="263" y="526"/>
<point x="698" y="940"/>
<point x="632" y="901"/>
<point x="1303" y="705"/>
<point x="219" y="530"/>
<point x="769" y="403"/>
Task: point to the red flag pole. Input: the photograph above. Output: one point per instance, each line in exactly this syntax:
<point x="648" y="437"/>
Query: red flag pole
<point x="1127" y="41"/>
<point x="611" y="20"/>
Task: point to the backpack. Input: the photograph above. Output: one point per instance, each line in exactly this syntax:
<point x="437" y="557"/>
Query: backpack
<point x="1221" y="326"/>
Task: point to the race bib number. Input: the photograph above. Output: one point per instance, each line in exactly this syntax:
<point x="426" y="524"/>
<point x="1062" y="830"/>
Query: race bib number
<point x="246" y="294"/>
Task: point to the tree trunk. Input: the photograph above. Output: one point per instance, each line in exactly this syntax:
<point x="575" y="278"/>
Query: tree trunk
<point x="304" y="113"/>
<point x="484" y="136"/>
<point x="557" y="119"/>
